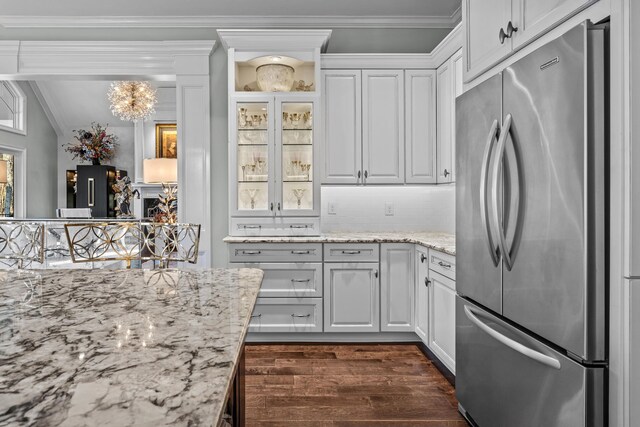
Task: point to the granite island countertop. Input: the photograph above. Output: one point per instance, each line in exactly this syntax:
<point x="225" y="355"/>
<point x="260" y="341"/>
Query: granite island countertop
<point x="121" y="347"/>
<point x="444" y="242"/>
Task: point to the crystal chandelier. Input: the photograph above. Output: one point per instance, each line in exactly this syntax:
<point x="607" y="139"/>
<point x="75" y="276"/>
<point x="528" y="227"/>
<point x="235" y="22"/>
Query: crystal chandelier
<point x="132" y="101"/>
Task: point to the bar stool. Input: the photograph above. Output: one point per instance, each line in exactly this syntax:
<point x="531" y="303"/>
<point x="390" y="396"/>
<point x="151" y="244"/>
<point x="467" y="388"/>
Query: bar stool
<point x="104" y="241"/>
<point x="22" y="244"/>
<point x="168" y="243"/>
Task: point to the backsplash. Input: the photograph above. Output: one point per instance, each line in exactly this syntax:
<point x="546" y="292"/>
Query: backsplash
<point x="364" y="208"/>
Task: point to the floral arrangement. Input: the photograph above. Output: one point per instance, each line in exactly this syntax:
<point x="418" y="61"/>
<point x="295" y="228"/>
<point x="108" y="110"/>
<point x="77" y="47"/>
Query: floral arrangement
<point x="93" y="145"/>
<point x="168" y="205"/>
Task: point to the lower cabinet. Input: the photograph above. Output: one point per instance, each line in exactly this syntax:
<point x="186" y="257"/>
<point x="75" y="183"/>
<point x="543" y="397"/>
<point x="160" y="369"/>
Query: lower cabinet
<point x="397" y="287"/>
<point x="422" y="295"/>
<point x="287" y="315"/>
<point x="442" y="319"/>
<point x="351" y="297"/>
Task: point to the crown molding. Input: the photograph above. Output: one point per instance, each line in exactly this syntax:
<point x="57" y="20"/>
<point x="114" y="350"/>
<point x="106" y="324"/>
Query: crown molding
<point x="443" y="51"/>
<point x="265" y="40"/>
<point x="162" y="60"/>
<point x="230" y="21"/>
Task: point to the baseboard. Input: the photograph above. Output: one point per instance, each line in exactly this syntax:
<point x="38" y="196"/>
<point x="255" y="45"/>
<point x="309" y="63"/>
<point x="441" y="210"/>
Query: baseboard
<point x="450" y="376"/>
<point x="329" y="337"/>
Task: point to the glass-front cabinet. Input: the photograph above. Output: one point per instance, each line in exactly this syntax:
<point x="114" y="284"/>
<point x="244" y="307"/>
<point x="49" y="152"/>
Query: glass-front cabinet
<point x="274" y="157"/>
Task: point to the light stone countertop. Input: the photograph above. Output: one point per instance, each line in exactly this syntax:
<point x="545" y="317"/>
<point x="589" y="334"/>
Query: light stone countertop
<point x="121" y="347"/>
<point x="444" y="242"/>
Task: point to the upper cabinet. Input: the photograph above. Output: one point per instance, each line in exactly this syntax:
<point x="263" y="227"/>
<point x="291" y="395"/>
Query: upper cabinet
<point x="420" y="126"/>
<point x="495" y="28"/>
<point x="274" y="98"/>
<point x="449" y="86"/>
<point x="363" y="126"/>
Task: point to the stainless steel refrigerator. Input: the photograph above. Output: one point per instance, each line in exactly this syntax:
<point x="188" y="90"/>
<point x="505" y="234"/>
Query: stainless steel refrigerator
<point x="530" y="239"/>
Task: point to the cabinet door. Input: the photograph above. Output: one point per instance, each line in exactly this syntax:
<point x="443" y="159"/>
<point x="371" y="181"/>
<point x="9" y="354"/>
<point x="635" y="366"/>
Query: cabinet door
<point x="351" y="301"/>
<point x="445" y="122"/>
<point x="442" y="310"/>
<point x="532" y="18"/>
<point x="397" y="287"/>
<point x="422" y="294"/>
<point x="483" y="20"/>
<point x="420" y="126"/>
<point x="297" y="191"/>
<point x="342" y="163"/>
<point x="252" y="171"/>
<point x="457" y="90"/>
<point x="383" y="126"/>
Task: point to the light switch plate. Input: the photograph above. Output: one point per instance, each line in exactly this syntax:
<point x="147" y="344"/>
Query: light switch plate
<point x="388" y="209"/>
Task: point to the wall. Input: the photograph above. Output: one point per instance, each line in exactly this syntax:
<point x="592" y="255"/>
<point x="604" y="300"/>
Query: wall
<point x="416" y="208"/>
<point x="343" y="41"/>
<point x="41" y="146"/>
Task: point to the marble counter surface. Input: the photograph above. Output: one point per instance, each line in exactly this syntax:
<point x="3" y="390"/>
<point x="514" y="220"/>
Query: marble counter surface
<point x="121" y="347"/>
<point x="444" y="242"/>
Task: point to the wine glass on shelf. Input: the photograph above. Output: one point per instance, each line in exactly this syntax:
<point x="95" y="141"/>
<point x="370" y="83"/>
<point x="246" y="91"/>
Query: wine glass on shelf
<point x="252" y="193"/>
<point x="299" y="194"/>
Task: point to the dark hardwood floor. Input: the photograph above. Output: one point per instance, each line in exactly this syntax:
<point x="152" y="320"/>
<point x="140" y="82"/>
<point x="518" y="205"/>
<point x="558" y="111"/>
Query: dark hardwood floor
<point x="346" y="385"/>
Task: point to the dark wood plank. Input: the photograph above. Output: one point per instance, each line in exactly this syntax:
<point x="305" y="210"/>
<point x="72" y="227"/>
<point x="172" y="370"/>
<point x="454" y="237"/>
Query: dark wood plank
<point x="346" y="385"/>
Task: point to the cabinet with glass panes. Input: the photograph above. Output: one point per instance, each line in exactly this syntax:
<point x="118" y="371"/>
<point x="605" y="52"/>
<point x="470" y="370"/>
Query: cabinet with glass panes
<point x="274" y="151"/>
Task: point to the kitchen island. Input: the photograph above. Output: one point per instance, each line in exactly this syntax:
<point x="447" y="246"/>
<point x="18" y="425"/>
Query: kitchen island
<point x="122" y="347"/>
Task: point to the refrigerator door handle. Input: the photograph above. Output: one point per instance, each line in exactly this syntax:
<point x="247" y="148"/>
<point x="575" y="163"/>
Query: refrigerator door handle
<point x="500" y="148"/>
<point x="514" y="345"/>
<point x="486" y="158"/>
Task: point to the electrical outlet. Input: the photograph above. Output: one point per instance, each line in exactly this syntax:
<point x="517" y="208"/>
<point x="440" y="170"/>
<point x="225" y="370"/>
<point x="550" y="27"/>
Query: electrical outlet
<point x="332" y="208"/>
<point x="388" y="209"/>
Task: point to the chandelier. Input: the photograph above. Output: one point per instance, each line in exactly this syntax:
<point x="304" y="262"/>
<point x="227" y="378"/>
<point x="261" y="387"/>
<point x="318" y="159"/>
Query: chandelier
<point x="132" y="101"/>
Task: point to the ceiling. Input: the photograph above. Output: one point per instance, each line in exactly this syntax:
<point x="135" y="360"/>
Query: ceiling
<point x="141" y="12"/>
<point x="74" y="104"/>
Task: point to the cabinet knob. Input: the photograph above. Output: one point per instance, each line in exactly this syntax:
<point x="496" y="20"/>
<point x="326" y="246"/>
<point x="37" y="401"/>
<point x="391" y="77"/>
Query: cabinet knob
<point x="366" y="174"/>
<point x="422" y="258"/>
<point x="511" y="29"/>
<point x="446" y="173"/>
<point x="427" y="282"/>
<point x="359" y="174"/>
<point x="375" y="273"/>
<point x="502" y="35"/>
<point x="271" y="206"/>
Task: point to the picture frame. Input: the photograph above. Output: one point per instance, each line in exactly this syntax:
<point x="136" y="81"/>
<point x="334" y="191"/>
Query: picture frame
<point x="166" y="140"/>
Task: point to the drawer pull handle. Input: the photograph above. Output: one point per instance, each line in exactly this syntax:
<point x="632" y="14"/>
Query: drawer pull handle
<point x="299" y="226"/>
<point x="256" y="316"/>
<point x="300" y="252"/>
<point x="301" y="315"/>
<point x="427" y="282"/>
<point x="422" y="257"/>
<point x="443" y="264"/>
<point x="300" y="280"/>
<point x="351" y="252"/>
<point x="251" y="252"/>
<point x="247" y="227"/>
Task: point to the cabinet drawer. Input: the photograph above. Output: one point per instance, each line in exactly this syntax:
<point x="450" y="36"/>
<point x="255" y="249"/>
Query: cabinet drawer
<point x="280" y="226"/>
<point x="351" y="252"/>
<point x="290" y="280"/>
<point x="444" y="264"/>
<point x="287" y="315"/>
<point x="275" y="252"/>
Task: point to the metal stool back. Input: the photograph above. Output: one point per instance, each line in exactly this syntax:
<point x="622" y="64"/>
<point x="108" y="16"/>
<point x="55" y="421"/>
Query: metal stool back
<point x="21" y="243"/>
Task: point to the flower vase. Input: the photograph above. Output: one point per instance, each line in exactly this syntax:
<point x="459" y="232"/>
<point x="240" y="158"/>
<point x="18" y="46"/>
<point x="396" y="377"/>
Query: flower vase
<point x="95" y="162"/>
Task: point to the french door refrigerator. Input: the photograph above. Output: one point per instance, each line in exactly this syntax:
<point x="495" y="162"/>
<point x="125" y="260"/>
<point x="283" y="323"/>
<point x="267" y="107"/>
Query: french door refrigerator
<point x="530" y="239"/>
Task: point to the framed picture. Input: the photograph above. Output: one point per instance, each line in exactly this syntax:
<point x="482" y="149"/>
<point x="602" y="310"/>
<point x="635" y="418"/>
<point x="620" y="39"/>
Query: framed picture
<point x="166" y="140"/>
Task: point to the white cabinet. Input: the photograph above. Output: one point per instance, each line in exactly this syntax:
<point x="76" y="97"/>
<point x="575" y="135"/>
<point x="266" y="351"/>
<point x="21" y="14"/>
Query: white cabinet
<point x="383" y="126"/>
<point x="533" y="17"/>
<point x="634" y="346"/>
<point x="442" y="320"/>
<point x="422" y="294"/>
<point x="397" y="287"/>
<point x="495" y="28"/>
<point x="420" y="126"/>
<point x="449" y="86"/>
<point x="351" y="297"/>
<point x="342" y="126"/>
<point x="364" y="127"/>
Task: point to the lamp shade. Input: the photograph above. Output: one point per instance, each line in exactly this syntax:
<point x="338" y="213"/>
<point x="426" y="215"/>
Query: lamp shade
<point x="160" y="170"/>
<point x="3" y="172"/>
